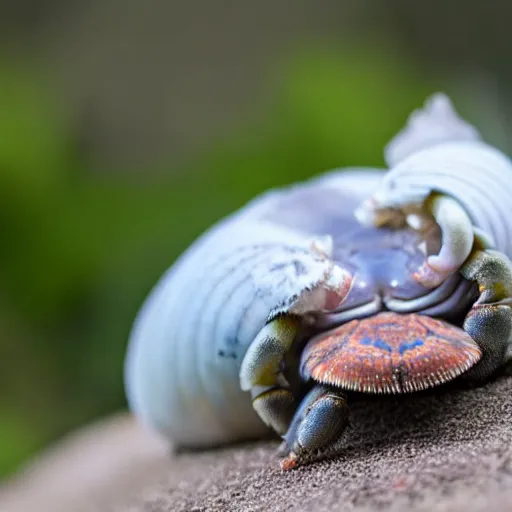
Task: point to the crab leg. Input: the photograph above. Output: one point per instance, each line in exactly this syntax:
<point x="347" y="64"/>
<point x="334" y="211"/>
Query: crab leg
<point x="261" y="372"/>
<point x="489" y="322"/>
<point x="319" y="422"/>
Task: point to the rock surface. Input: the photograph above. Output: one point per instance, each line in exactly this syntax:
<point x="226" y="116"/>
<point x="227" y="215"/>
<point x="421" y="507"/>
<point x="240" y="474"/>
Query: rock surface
<point x="442" y="451"/>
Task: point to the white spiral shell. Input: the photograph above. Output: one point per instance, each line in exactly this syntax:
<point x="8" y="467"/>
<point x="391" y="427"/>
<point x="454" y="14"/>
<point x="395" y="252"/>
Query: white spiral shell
<point x="188" y="341"/>
<point x="190" y="336"/>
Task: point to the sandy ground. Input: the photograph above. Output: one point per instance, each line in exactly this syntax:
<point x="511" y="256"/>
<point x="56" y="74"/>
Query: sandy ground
<point x="441" y="452"/>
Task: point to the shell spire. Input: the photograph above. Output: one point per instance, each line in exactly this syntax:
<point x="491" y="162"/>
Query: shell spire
<point x="436" y="122"/>
<point x="439" y="153"/>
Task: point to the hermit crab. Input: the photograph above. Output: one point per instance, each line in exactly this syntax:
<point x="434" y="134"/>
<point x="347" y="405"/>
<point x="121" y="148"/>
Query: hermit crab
<point x="358" y="281"/>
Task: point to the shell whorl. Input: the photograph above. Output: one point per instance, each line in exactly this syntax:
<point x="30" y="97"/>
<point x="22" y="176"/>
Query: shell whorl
<point x="439" y="152"/>
<point x="478" y="176"/>
<point x="437" y="122"/>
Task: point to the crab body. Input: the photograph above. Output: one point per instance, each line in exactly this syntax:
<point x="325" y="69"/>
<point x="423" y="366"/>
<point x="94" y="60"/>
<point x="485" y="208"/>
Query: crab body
<point x="389" y="353"/>
<point x="229" y="320"/>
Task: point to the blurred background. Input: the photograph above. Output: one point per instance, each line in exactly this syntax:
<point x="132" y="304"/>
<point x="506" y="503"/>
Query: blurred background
<point x="127" y="128"/>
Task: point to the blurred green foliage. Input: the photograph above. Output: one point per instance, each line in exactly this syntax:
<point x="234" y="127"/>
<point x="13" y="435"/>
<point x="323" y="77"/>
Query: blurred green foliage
<point x="81" y="248"/>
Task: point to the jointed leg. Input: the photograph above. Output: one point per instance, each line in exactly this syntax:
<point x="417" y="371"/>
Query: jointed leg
<point x="317" y="425"/>
<point x="261" y="372"/>
<point x="489" y="322"/>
